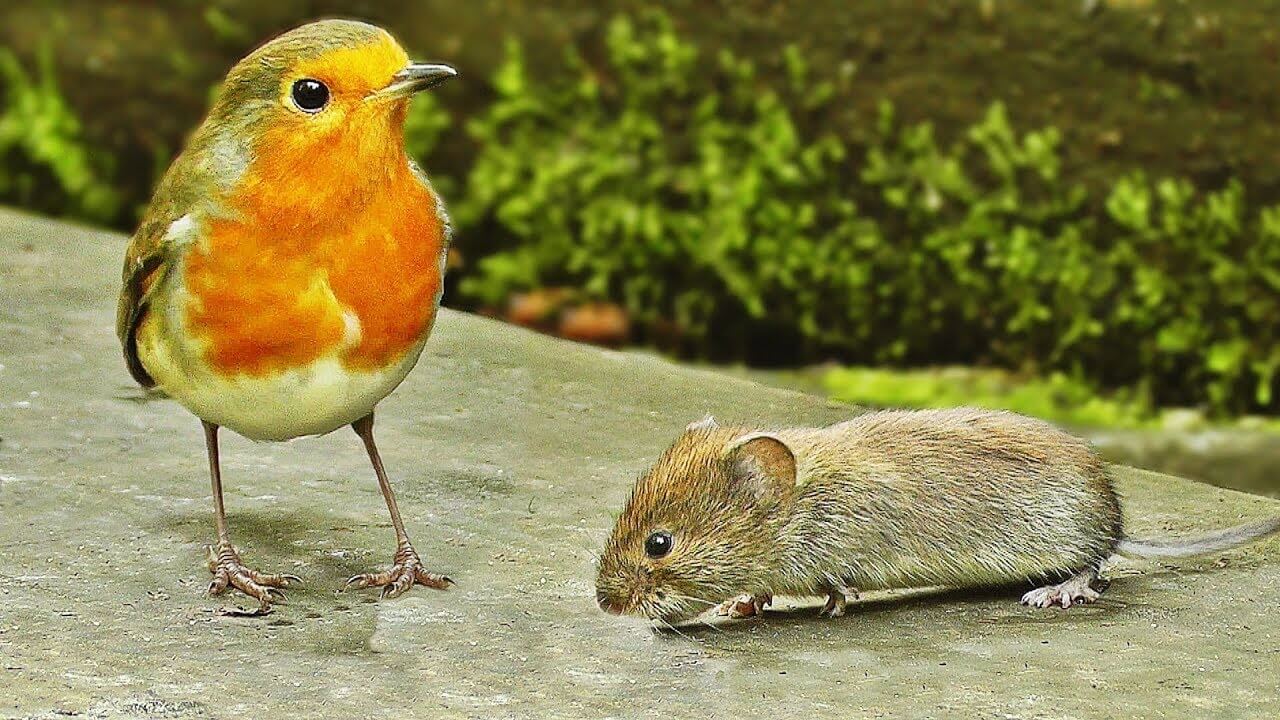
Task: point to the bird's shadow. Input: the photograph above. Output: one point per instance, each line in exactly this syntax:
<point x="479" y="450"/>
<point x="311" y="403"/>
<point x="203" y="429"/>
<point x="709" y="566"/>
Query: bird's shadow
<point x="139" y="395"/>
<point x="278" y="541"/>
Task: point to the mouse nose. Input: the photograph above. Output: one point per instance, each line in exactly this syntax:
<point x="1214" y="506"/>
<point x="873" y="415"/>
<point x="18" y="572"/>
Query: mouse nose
<point x="607" y="604"/>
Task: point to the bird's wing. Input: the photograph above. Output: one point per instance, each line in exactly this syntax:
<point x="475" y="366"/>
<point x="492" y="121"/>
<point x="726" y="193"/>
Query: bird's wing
<point x="166" y="227"/>
<point x="145" y="262"/>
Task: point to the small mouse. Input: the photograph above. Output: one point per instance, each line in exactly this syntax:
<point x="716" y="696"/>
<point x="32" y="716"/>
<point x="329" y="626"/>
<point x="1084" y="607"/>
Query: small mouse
<point x="729" y="516"/>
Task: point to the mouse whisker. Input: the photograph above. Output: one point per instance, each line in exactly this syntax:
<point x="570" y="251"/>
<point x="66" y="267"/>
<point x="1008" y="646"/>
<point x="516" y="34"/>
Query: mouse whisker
<point x="695" y="598"/>
<point x="673" y="629"/>
<point x="706" y="624"/>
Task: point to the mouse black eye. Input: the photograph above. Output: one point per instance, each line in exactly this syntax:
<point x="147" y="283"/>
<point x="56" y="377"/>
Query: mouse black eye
<point x="659" y="544"/>
<point x="310" y="95"/>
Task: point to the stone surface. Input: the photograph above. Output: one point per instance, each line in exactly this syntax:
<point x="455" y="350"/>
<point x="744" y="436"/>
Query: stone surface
<point x="1241" y="459"/>
<point x="511" y="453"/>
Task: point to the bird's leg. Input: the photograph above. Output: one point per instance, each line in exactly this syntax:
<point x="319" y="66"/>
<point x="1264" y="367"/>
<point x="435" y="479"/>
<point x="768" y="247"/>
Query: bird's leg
<point x="406" y="569"/>
<point x="224" y="561"/>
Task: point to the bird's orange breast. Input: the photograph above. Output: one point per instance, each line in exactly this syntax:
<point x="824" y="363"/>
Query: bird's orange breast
<point x="271" y="287"/>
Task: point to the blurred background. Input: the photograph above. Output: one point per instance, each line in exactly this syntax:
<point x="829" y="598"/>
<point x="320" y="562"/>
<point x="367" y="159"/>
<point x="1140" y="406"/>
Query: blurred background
<point x="1069" y="208"/>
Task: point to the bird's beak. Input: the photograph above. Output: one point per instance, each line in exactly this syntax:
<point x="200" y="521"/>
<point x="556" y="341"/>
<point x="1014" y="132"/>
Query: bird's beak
<point x="415" y="77"/>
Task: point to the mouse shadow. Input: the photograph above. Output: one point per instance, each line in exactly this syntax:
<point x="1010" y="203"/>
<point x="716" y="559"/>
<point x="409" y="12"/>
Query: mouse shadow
<point x="882" y="605"/>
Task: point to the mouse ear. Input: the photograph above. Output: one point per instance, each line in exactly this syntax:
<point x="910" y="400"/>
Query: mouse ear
<point x="706" y="423"/>
<point x="762" y="464"/>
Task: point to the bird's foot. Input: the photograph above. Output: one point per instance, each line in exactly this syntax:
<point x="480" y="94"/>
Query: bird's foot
<point x="229" y="572"/>
<point x="1078" y="589"/>
<point x="745" y="606"/>
<point x="837" y="600"/>
<point x="405" y="572"/>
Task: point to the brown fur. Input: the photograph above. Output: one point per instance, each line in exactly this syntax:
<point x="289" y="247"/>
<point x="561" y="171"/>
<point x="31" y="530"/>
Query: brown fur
<point x="955" y="498"/>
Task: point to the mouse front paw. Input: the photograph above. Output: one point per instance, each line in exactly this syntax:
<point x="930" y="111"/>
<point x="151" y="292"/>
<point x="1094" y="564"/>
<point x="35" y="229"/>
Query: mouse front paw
<point x="745" y="606"/>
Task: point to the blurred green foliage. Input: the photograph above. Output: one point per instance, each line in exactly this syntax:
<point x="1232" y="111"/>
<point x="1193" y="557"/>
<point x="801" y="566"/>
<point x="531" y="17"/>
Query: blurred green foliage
<point x="426" y="121"/>
<point x="44" y="162"/>
<point x="1057" y="397"/>
<point x="682" y="187"/>
<point x="645" y="187"/>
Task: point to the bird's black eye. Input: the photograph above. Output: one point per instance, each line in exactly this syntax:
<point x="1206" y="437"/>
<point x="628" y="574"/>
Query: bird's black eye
<point x="659" y="544"/>
<point x="310" y="95"/>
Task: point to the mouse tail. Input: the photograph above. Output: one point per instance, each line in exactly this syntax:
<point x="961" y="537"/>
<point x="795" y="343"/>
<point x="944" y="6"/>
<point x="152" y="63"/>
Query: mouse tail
<point x="1200" y="545"/>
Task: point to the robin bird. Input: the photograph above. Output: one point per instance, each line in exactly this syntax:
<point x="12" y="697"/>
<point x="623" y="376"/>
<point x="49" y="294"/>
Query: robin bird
<point x="289" y="268"/>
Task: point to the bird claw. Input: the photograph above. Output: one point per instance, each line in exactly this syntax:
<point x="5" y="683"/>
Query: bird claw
<point x="356" y="582"/>
<point x="406" y="572"/>
<point x="229" y="572"/>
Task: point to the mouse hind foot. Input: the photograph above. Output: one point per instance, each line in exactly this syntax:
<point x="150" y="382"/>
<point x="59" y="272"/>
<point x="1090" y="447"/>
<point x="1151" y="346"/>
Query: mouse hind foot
<point x="1075" y="590"/>
<point x="837" y="599"/>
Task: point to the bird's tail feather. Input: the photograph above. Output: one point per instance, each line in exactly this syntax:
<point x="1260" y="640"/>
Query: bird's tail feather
<point x="1201" y="545"/>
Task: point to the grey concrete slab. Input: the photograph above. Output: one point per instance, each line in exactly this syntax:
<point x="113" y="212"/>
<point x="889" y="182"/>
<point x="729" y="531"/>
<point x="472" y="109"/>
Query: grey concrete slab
<point x="511" y="452"/>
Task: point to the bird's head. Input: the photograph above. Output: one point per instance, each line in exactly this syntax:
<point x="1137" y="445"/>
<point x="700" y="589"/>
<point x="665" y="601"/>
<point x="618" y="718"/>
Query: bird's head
<point x="324" y="101"/>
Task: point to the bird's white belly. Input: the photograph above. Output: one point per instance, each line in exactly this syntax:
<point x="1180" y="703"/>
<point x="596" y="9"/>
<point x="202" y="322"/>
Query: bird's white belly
<point x="309" y="400"/>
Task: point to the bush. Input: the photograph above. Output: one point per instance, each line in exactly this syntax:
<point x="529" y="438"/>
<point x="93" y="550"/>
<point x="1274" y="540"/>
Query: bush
<point x="682" y="187"/>
<point x="1056" y="397"/>
<point x="44" y="163"/>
